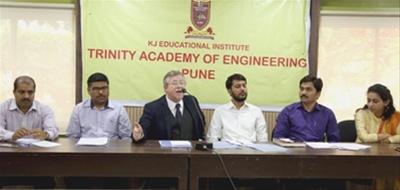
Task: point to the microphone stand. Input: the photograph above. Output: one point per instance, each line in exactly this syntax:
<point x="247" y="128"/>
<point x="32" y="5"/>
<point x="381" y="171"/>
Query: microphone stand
<point x="196" y="106"/>
<point x="201" y="145"/>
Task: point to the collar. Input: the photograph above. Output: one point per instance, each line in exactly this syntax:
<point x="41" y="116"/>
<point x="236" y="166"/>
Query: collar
<point x="13" y="106"/>
<point x="316" y="107"/>
<point x="89" y="103"/>
<point x="171" y="104"/>
<point x="232" y="106"/>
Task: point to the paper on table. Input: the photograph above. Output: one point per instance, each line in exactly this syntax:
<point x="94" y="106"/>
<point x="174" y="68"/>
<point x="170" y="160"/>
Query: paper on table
<point x="239" y="142"/>
<point x="352" y="146"/>
<point x="267" y="147"/>
<point x="341" y="146"/>
<point x="224" y="145"/>
<point x="46" y="144"/>
<point x="26" y="141"/>
<point x="321" y="145"/>
<point x="285" y="142"/>
<point x="175" y="144"/>
<point x="100" y="141"/>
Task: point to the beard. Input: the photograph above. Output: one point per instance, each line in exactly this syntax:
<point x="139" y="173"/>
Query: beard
<point x="239" y="98"/>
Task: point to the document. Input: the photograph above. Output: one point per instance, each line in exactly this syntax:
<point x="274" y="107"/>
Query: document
<point x="239" y="142"/>
<point x="352" y="146"/>
<point x="29" y="141"/>
<point x="100" y="141"/>
<point x="286" y="142"/>
<point x="340" y="146"/>
<point x="267" y="147"/>
<point x="46" y="144"/>
<point x="260" y="147"/>
<point x="320" y="145"/>
<point x="224" y="145"/>
<point x="26" y="141"/>
<point x="175" y="144"/>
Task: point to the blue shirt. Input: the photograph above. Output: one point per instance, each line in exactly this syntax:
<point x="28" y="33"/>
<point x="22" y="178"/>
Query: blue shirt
<point x="38" y="116"/>
<point x="296" y="123"/>
<point x="111" y="121"/>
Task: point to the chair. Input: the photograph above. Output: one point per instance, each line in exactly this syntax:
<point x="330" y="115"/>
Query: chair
<point x="347" y="131"/>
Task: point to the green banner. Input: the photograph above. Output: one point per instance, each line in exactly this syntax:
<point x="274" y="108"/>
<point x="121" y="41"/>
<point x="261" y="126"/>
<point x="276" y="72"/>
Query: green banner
<point x="135" y="42"/>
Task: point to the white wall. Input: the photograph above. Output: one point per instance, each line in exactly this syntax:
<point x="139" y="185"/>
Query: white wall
<point x="39" y="40"/>
<point x="357" y="50"/>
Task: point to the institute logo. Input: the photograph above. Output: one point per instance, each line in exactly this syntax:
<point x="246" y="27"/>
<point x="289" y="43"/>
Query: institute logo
<point x="200" y="16"/>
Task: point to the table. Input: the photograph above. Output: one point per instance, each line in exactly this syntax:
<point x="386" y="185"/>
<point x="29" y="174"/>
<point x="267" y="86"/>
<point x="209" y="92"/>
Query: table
<point x="119" y="158"/>
<point x="122" y="158"/>
<point x="378" y="162"/>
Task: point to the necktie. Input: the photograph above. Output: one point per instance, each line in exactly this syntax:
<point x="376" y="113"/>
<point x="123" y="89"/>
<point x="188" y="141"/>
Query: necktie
<point x="178" y="114"/>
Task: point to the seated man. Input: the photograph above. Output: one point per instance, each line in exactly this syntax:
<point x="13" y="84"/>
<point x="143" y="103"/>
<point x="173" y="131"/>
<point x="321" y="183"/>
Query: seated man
<point x="173" y="116"/>
<point x="308" y="121"/>
<point x="241" y="121"/>
<point x="22" y="117"/>
<point x="98" y="117"/>
<point x="237" y="120"/>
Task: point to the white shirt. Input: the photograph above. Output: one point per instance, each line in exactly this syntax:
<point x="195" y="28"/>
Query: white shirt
<point x="246" y="124"/>
<point x="172" y="105"/>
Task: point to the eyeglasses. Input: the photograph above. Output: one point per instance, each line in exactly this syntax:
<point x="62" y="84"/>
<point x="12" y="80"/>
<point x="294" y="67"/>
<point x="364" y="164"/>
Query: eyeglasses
<point x="98" y="89"/>
<point x="177" y="83"/>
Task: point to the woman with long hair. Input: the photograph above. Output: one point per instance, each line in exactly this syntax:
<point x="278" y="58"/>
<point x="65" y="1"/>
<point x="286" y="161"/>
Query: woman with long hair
<point x="378" y="121"/>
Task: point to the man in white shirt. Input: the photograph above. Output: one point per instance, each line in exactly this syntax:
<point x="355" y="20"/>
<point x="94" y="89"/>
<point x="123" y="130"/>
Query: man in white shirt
<point x="237" y="120"/>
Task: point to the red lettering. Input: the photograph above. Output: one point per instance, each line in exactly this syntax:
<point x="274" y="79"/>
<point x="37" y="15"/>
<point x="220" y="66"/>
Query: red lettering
<point x="199" y="74"/>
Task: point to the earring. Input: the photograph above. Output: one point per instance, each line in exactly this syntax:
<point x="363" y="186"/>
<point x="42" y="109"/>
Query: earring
<point x="386" y="108"/>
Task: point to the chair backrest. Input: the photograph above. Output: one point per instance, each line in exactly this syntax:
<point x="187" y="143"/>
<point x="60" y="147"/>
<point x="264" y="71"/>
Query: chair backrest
<point x="347" y="131"/>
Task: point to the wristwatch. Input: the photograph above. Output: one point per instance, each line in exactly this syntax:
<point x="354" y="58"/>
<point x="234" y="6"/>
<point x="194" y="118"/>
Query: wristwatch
<point x="47" y="136"/>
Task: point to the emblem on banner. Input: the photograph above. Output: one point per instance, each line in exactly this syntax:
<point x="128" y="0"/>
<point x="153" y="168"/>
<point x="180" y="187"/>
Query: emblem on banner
<point x="200" y="16"/>
<point x="200" y="13"/>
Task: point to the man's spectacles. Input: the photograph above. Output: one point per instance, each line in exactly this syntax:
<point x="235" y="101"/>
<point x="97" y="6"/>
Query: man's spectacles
<point x="98" y="89"/>
<point x="177" y="83"/>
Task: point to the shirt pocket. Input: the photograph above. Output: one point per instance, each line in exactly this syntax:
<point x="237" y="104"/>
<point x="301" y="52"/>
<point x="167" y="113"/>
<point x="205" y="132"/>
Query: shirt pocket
<point x="111" y="127"/>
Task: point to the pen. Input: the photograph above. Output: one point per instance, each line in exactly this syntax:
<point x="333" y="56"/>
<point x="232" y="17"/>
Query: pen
<point x="8" y="145"/>
<point x="25" y="144"/>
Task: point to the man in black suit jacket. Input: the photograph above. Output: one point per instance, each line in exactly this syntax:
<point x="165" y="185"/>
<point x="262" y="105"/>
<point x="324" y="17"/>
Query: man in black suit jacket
<point x="173" y="116"/>
<point x="161" y="120"/>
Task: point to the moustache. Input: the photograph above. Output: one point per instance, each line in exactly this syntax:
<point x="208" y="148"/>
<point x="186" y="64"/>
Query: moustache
<point x="303" y="96"/>
<point x="26" y="99"/>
